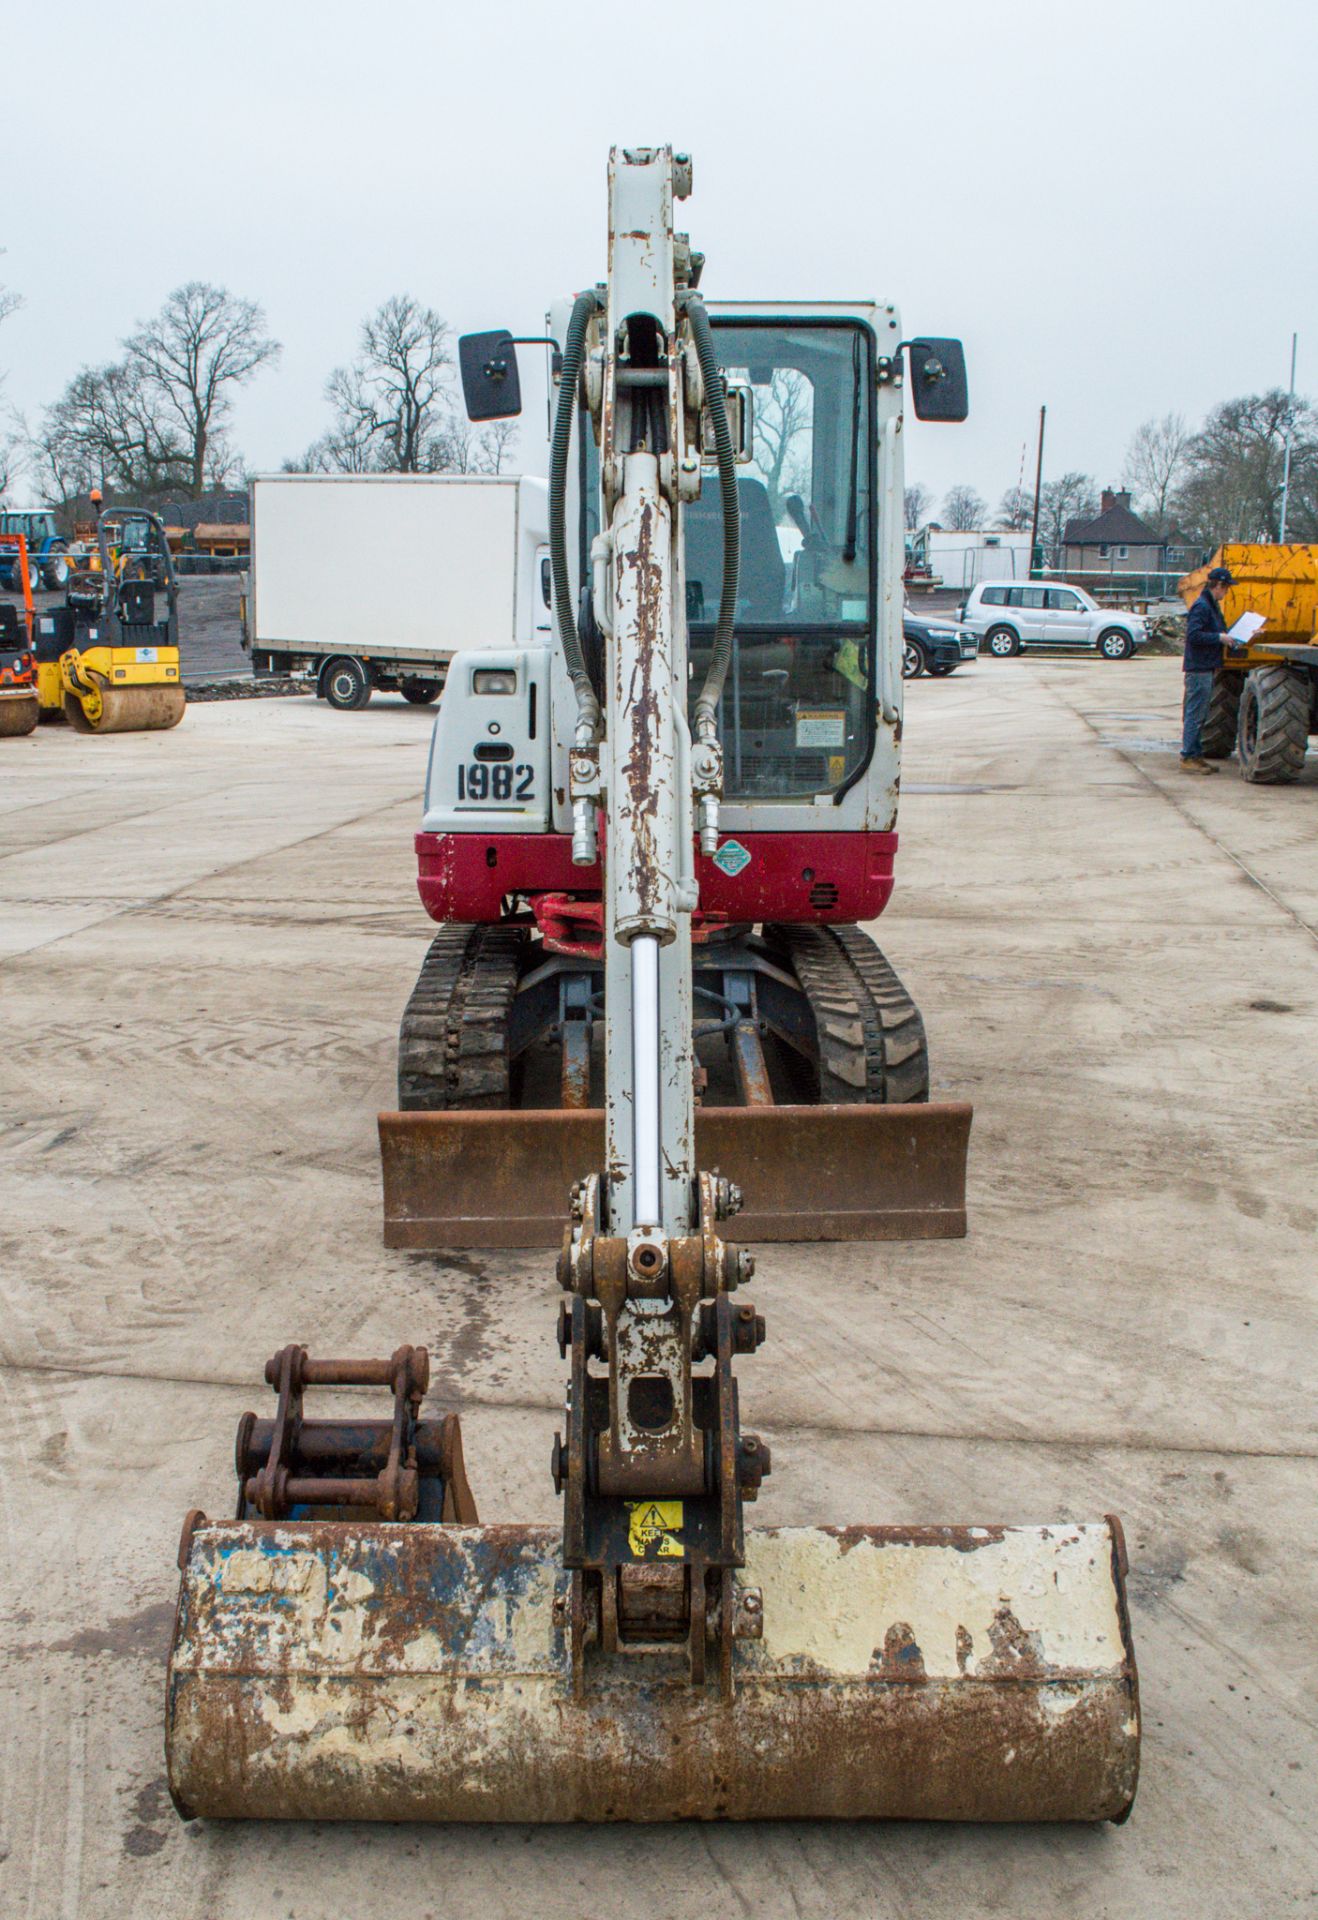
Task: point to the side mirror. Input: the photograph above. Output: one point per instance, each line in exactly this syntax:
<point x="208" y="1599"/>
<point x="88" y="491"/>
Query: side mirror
<point x="490" y="384"/>
<point x="938" y="379"/>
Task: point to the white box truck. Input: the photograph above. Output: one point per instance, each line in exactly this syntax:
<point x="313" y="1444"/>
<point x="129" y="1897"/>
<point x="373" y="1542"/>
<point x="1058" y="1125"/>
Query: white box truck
<point x="942" y="557"/>
<point x="370" y="582"/>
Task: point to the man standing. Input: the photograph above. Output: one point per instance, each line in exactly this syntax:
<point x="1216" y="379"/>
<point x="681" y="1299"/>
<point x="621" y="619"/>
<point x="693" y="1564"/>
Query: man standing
<point x="1204" y="628"/>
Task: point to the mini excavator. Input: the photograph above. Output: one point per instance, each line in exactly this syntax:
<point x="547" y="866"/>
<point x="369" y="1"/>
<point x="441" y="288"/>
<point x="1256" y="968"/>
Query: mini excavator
<point x="354" y="1644"/>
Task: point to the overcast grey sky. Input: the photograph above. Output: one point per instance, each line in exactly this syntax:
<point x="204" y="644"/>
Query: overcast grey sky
<point x="1113" y="204"/>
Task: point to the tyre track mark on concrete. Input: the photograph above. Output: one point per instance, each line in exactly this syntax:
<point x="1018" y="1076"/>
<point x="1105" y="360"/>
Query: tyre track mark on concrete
<point x="150" y="901"/>
<point x="1111" y="742"/>
<point x="842" y="1430"/>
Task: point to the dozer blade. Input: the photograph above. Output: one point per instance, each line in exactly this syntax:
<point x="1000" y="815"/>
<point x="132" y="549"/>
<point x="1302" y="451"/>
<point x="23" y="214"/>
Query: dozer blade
<point x="128" y="710"/>
<point x="501" y="1179"/>
<point x="349" y="1672"/>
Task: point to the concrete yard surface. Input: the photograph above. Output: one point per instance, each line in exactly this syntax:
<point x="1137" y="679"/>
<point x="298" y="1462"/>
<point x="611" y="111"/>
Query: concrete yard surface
<point x="206" y="939"/>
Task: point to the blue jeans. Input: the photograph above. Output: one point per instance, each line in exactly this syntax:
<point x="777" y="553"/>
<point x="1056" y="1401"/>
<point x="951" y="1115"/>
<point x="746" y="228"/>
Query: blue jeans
<point x="1198" y="692"/>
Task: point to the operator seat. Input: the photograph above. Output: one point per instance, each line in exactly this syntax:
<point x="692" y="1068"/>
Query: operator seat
<point x="763" y="573"/>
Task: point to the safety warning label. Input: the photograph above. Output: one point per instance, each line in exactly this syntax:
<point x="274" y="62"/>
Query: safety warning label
<point x="654" y="1529"/>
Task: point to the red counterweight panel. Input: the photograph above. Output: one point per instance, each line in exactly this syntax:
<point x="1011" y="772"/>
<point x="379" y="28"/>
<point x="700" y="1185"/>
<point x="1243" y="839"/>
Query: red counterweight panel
<point x="797" y="877"/>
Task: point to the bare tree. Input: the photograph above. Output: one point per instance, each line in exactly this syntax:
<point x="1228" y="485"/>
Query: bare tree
<point x="963" y="510"/>
<point x="783" y="413"/>
<point x="918" y="502"/>
<point x="10" y="302"/>
<point x="459" y="447"/>
<point x="1071" y="497"/>
<point x="394" y="405"/>
<point x="1232" y="487"/>
<point x="203" y="344"/>
<point x="391" y="401"/>
<point x="1155" y="466"/>
<point x="106" y="430"/>
<point x="1016" y="510"/>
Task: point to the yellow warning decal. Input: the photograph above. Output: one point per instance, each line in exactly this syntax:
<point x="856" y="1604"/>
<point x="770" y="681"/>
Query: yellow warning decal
<point x="654" y="1529"/>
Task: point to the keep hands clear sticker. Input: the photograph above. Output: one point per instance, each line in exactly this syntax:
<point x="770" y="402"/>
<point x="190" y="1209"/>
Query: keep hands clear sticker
<point x="654" y="1529"/>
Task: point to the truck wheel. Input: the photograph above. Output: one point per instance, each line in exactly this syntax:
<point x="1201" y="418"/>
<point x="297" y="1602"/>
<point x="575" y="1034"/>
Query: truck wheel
<point x="1114" y="643"/>
<point x="914" y="660"/>
<point x="1273" y="732"/>
<point x="420" y="693"/>
<point x="345" y="684"/>
<point x="1002" y="642"/>
<point x="55" y="568"/>
<point x="1218" y="732"/>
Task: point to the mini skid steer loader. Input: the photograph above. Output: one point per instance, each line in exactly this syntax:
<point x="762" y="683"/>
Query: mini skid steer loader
<point x="353" y="1644"/>
<point x="108" y="660"/>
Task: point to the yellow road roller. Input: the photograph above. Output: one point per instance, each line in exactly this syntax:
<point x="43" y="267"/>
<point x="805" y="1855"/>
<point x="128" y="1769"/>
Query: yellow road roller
<point x="354" y="1643"/>
<point x="108" y="660"/>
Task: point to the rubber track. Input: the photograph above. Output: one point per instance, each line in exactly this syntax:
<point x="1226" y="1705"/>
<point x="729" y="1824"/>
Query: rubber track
<point x="1283" y="727"/>
<point x="872" y="1043"/>
<point x="1218" y="733"/>
<point x="453" y="1039"/>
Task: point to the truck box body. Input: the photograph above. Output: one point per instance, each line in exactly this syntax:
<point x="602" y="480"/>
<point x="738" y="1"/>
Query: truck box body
<point x="397" y="570"/>
<point x="962" y="560"/>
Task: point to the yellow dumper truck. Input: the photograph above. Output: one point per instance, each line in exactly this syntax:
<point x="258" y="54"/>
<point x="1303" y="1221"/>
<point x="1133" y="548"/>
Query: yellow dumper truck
<point x="1265" y="696"/>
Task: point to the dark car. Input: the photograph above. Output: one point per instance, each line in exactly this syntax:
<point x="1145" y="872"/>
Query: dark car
<point x="933" y="646"/>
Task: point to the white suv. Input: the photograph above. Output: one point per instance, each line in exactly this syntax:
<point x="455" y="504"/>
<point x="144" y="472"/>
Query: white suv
<point x="1011" y="617"/>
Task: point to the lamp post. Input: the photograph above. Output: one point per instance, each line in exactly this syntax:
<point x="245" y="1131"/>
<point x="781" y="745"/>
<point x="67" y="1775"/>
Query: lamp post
<point x="1038" y="483"/>
<point x="1286" y="460"/>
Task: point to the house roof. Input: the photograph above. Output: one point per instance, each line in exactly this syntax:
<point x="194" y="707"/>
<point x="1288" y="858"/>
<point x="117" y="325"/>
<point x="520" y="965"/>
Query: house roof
<point x="1115" y="526"/>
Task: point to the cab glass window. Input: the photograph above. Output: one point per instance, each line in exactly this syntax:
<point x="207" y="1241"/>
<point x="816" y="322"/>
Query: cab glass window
<point x="797" y="712"/>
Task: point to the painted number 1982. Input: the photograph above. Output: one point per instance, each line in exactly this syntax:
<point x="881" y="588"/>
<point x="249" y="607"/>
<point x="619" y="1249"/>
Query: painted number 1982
<point x="502" y="781"/>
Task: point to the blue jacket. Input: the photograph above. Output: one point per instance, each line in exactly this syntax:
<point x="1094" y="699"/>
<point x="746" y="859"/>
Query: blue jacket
<point x="1204" y="628"/>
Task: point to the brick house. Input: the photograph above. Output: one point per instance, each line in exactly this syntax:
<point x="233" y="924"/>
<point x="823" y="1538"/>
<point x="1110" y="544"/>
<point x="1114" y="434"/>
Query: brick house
<point x="1114" y="541"/>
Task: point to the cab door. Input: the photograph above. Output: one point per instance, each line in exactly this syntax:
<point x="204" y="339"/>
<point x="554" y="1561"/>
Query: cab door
<point x="1066" y="620"/>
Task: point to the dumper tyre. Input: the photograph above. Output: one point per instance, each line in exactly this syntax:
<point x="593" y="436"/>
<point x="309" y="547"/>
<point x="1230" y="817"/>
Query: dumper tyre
<point x="1217" y="736"/>
<point x="345" y="684"/>
<point x="421" y="693"/>
<point x="1272" y="736"/>
<point x="55" y="568"/>
<point x="453" y="1041"/>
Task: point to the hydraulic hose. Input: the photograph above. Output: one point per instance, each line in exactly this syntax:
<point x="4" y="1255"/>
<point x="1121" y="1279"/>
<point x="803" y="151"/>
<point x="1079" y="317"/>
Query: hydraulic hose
<point x="706" y="710"/>
<point x="584" y="309"/>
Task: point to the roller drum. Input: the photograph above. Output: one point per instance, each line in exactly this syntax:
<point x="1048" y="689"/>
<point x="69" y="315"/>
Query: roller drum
<point x="422" y="1672"/>
<point x="18" y="714"/>
<point x="128" y="710"/>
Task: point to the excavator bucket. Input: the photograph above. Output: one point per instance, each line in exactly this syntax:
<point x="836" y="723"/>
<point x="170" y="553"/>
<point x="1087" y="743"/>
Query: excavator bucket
<point x="335" y="1671"/>
<point x="501" y="1179"/>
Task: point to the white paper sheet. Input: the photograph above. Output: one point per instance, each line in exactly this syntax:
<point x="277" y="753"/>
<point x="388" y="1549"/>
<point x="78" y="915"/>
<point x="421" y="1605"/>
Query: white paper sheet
<point x="1246" y="627"/>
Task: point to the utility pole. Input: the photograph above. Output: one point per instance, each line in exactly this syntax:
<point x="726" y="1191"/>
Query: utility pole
<point x="1286" y="462"/>
<point x="1038" y="484"/>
